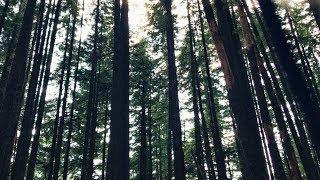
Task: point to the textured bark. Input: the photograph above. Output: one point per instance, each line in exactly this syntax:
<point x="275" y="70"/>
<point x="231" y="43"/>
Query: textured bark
<point x="255" y="61"/>
<point x="309" y="106"/>
<point x="11" y="105"/>
<point x="118" y="156"/>
<point x="253" y="162"/>
<point x="174" y="115"/>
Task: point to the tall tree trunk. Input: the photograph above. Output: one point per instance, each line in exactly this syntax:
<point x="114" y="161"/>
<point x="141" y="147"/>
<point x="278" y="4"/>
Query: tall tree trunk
<point x="11" y="105"/>
<point x="118" y="156"/>
<point x="59" y="99"/>
<point x="73" y="106"/>
<point x="35" y="143"/>
<point x="309" y="106"/>
<point x="27" y="121"/>
<point x="254" y="56"/>
<point x="106" y="118"/>
<point x="193" y="71"/>
<point x="64" y="104"/>
<point x="91" y="113"/>
<point x="149" y="132"/>
<point x="174" y="115"/>
<point x="253" y="162"/>
<point x="211" y="107"/>
<point x="143" y="134"/>
<point x="215" y="129"/>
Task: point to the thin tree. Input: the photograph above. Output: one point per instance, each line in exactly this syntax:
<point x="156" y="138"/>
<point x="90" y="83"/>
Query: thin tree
<point x="193" y="70"/>
<point x="253" y="56"/>
<point x="35" y="143"/>
<point x="174" y="115"/>
<point x="309" y="106"/>
<point x="12" y="102"/>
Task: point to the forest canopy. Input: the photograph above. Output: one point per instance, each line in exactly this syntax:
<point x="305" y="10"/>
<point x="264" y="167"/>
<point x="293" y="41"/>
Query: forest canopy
<point x="159" y="89"/>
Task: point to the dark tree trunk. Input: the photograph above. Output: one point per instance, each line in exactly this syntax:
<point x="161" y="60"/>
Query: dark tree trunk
<point x="73" y="105"/>
<point x="59" y="99"/>
<point x="315" y="9"/>
<point x="57" y="154"/>
<point x="174" y="115"/>
<point x="118" y="156"/>
<point x="255" y="61"/>
<point x="309" y="106"/>
<point x="169" y="151"/>
<point x="214" y="124"/>
<point x="91" y="113"/>
<point x="193" y="71"/>
<point x="21" y="158"/>
<point x="35" y="143"/>
<point x="253" y="162"/>
<point x="211" y="103"/>
<point x="150" y="169"/>
<point x="11" y="105"/>
<point x="143" y="134"/>
<point x="106" y="120"/>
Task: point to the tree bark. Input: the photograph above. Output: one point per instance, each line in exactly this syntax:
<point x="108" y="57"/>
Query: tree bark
<point x="11" y="105"/>
<point x="118" y="156"/>
<point x="35" y="143"/>
<point x="174" y="115"/>
<point x="309" y="106"/>
<point x="254" y="62"/>
<point x="253" y="162"/>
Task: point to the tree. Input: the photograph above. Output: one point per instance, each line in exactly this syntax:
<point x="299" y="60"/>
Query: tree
<point x="309" y="107"/>
<point x="118" y="152"/>
<point x="10" y="107"/>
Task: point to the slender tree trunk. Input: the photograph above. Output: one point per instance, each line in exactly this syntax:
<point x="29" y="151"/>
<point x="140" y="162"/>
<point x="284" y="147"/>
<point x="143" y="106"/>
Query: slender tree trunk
<point x="11" y="105"/>
<point x="193" y="71"/>
<point x="57" y="154"/>
<point x="59" y="99"/>
<point x="215" y="129"/>
<point x="143" y="134"/>
<point x="254" y="56"/>
<point x="106" y="118"/>
<point x="150" y="169"/>
<point x="253" y="162"/>
<point x="309" y="106"/>
<point x="88" y="154"/>
<point x="19" y="166"/>
<point x="211" y="107"/>
<point x="174" y="115"/>
<point x="35" y="143"/>
<point x="73" y="106"/>
<point x="118" y="156"/>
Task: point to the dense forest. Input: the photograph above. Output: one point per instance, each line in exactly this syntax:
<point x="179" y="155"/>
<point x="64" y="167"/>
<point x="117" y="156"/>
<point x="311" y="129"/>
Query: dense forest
<point x="160" y="89"/>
